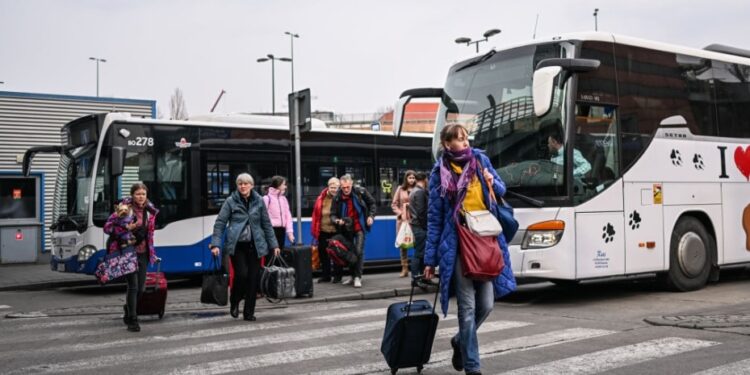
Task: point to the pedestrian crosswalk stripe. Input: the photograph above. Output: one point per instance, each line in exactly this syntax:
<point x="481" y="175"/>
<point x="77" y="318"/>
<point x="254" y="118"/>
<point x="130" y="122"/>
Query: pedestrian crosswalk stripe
<point x="734" y="368"/>
<point x="204" y="348"/>
<point x="54" y="333"/>
<point x="197" y="334"/>
<point x="610" y="359"/>
<point x="291" y="356"/>
<point x="491" y="349"/>
<point x="172" y="318"/>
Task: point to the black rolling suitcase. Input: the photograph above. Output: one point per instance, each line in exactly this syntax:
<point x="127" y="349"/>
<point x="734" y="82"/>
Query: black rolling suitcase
<point x="409" y="332"/>
<point x="299" y="257"/>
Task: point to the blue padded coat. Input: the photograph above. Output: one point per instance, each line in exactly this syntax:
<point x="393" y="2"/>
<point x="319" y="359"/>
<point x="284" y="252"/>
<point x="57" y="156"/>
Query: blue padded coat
<point x="442" y="239"/>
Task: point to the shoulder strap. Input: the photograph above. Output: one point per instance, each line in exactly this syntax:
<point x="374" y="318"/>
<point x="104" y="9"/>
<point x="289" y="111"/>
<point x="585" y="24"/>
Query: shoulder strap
<point x="489" y="186"/>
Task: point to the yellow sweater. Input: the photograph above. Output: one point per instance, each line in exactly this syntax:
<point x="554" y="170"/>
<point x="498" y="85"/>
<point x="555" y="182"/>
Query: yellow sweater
<point x="474" y="200"/>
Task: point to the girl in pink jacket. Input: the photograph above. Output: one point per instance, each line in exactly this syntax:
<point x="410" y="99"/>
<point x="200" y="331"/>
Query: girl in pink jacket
<point x="278" y="210"/>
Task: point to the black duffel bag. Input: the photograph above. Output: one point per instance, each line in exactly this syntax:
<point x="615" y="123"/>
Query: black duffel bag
<point x="277" y="281"/>
<point x="215" y="288"/>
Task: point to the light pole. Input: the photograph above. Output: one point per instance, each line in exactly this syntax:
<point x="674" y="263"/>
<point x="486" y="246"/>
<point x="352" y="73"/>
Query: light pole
<point x="98" y="60"/>
<point x="596" y="22"/>
<point x="291" y="37"/>
<point x="273" y="59"/>
<point x="487" y="35"/>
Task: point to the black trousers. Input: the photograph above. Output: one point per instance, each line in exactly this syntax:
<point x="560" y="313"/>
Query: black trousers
<point x="246" y="266"/>
<point x="325" y="261"/>
<point x="136" y="284"/>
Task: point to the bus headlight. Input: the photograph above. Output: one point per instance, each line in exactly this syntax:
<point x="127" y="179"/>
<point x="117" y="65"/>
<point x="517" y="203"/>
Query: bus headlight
<point x="543" y="234"/>
<point x="85" y="253"/>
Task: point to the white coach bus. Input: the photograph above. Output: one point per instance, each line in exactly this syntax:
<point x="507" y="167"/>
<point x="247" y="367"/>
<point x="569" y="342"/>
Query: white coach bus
<point x="621" y="156"/>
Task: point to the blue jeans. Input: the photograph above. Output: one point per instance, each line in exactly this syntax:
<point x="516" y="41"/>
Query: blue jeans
<point x="417" y="260"/>
<point x="475" y="301"/>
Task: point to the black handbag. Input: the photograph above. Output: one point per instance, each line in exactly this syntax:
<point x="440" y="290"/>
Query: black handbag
<point x="215" y="288"/>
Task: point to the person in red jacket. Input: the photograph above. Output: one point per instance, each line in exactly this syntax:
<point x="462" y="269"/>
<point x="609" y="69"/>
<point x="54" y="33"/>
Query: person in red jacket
<point x="323" y="228"/>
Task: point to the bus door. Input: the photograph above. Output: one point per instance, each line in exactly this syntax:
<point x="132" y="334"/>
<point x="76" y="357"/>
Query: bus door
<point x="597" y="192"/>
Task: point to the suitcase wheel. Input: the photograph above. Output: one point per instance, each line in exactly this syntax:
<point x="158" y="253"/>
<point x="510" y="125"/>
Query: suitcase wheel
<point x="394" y="371"/>
<point x="161" y="314"/>
<point x="419" y="369"/>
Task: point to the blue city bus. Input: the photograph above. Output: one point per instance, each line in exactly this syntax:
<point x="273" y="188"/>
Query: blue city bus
<point x="190" y="167"/>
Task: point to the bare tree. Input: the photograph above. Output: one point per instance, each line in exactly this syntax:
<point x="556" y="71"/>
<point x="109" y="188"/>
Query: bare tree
<point x="177" y="107"/>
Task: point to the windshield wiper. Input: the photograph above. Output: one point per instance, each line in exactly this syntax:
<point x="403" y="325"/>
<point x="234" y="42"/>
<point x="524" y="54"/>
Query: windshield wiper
<point x="477" y="61"/>
<point x="527" y="199"/>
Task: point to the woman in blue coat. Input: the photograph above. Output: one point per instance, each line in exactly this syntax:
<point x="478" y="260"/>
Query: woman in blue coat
<point x="461" y="178"/>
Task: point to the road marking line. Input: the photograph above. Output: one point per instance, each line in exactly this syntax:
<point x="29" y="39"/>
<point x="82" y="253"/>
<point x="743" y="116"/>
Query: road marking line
<point x="492" y="349"/>
<point x="198" y="334"/>
<point x="610" y="359"/>
<point x="291" y="356"/>
<point x="204" y="348"/>
<point x="734" y="368"/>
<point x="54" y="334"/>
<point x="4" y="307"/>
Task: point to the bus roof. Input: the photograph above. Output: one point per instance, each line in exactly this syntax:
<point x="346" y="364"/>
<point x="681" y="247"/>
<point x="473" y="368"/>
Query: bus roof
<point x="637" y="42"/>
<point x="244" y="121"/>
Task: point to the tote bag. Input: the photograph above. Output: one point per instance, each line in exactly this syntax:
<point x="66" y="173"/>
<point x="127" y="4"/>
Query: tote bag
<point x="215" y="287"/>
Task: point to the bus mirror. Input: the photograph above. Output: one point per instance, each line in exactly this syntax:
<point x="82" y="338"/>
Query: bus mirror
<point x="117" y="161"/>
<point x="406" y="96"/>
<point x="673" y="121"/>
<point x="544" y="80"/>
<point x="571" y="65"/>
<point x="29" y="154"/>
<point x="398" y="114"/>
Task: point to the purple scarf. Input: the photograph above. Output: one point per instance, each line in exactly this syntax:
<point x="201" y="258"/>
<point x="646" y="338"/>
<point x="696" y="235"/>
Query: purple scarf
<point x="451" y="184"/>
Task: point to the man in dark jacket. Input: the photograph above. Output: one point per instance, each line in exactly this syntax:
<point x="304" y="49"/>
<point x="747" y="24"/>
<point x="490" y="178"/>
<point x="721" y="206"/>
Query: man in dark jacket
<point x="356" y="203"/>
<point x="418" y="221"/>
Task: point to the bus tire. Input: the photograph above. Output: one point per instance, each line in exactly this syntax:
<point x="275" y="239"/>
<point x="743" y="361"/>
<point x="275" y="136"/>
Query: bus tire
<point x="690" y="254"/>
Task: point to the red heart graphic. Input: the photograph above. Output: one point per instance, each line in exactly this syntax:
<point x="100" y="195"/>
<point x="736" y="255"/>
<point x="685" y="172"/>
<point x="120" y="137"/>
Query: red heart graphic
<point x="742" y="159"/>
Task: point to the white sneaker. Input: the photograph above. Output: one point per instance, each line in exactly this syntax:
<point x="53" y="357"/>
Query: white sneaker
<point x="348" y="281"/>
<point x="357" y="282"/>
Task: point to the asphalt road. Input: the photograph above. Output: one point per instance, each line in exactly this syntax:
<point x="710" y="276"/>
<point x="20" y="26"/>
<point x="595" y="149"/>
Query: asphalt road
<point x="541" y="329"/>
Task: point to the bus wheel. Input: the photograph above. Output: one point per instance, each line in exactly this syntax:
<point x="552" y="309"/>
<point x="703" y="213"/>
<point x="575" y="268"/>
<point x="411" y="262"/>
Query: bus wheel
<point x="690" y="257"/>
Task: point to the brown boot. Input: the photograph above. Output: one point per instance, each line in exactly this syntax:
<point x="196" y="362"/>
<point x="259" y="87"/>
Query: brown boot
<point x="404" y="263"/>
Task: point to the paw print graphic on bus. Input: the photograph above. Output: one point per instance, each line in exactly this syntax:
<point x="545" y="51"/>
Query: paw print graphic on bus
<point x="676" y="158"/>
<point x="635" y="220"/>
<point x="698" y="162"/>
<point x="609" y="233"/>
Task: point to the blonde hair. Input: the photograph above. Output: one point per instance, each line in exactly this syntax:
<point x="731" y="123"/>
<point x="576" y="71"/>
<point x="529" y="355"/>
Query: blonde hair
<point x="334" y="180"/>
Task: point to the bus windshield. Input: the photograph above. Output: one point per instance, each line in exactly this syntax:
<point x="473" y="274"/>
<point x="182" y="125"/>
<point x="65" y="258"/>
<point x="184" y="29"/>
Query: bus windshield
<point x="491" y="95"/>
<point x="71" y="199"/>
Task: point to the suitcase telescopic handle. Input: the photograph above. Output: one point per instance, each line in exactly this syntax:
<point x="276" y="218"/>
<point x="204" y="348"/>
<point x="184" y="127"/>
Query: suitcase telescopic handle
<point x="411" y="293"/>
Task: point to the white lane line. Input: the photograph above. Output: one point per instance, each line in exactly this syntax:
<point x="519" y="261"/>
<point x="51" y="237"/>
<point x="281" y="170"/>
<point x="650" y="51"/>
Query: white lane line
<point x="734" y="368"/>
<point x="4" y="307"/>
<point x="203" y="348"/>
<point x="246" y="364"/>
<point x="610" y="359"/>
<point x="60" y="321"/>
<point x="488" y="350"/>
<point x="54" y="333"/>
<point x="198" y="334"/>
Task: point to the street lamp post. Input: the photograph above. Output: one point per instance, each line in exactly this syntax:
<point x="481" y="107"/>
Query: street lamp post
<point x="98" y="60"/>
<point x="273" y="59"/>
<point x="291" y="37"/>
<point x="487" y="35"/>
<point x="596" y="21"/>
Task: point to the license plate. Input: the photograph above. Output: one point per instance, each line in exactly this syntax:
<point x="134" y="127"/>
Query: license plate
<point x="61" y="267"/>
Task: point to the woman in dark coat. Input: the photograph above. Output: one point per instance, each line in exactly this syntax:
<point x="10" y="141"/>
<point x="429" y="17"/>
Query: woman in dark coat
<point x="249" y="236"/>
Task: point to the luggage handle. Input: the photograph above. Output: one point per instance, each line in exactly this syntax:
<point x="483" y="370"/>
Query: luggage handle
<point x="411" y="293"/>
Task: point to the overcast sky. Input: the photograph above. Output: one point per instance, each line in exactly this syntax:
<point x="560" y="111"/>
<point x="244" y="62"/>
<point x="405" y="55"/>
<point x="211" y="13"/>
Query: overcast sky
<point x="355" y="56"/>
